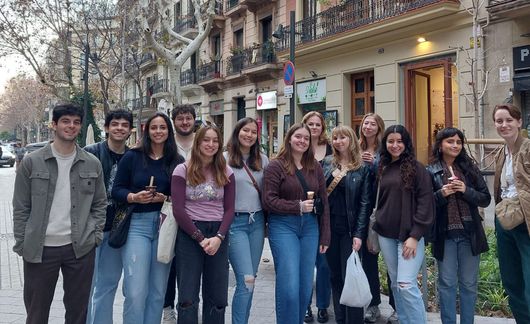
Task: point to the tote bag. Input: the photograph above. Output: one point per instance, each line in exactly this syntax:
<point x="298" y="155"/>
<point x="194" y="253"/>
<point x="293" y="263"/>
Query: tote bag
<point x="356" y="290"/>
<point x="167" y="234"/>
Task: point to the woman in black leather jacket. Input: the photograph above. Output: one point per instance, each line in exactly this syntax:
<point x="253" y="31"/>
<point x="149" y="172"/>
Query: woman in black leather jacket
<point x="459" y="190"/>
<point x="348" y="182"/>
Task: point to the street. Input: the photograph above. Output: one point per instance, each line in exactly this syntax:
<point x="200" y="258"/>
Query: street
<point x="11" y="279"/>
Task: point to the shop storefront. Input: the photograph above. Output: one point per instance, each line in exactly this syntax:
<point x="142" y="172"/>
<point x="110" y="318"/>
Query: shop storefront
<point x="267" y="107"/>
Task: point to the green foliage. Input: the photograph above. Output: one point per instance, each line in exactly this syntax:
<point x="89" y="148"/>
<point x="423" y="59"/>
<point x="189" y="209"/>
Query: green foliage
<point x="6" y="136"/>
<point x="78" y="99"/>
<point x="491" y="298"/>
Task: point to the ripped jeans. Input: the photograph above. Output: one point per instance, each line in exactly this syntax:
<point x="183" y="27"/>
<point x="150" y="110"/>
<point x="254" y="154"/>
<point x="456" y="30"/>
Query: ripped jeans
<point x="144" y="278"/>
<point x="404" y="280"/>
<point x="247" y="233"/>
<point x="193" y="264"/>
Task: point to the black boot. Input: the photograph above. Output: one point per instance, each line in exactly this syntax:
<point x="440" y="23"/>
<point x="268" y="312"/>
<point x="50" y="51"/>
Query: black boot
<point x="308" y="318"/>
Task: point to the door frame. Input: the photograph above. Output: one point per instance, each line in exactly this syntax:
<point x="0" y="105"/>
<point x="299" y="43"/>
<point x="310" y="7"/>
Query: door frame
<point x="410" y="114"/>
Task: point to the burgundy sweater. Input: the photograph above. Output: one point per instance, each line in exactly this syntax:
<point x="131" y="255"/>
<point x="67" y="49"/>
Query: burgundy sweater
<point x="282" y="193"/>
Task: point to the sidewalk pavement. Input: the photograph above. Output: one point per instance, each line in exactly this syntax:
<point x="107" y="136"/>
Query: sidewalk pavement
<point x="11" y="282"/>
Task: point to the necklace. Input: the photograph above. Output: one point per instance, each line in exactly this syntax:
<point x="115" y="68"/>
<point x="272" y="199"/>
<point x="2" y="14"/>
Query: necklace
<point x="156" y="157"/>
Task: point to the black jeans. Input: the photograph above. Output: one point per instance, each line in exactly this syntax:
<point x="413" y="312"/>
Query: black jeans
<point x="40" y="280"/>
<point x="193" y="263"/>
<point x="338" y="252"/>
<point x="169" y="299"/>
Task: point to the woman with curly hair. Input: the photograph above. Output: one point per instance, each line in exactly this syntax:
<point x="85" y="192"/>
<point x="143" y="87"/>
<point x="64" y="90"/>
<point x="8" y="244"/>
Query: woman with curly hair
<point x="349" y="183"/>
<point x="404" y="215"/>
<point x="203" y="194"/>
<point x="247" y="231"/>
<point x="459" y="189"/>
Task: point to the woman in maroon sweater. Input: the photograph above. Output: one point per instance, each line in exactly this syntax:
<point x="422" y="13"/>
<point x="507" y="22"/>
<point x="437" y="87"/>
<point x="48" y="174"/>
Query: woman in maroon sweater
<point x="293" y="226"/>
<point x="404" y="215"/>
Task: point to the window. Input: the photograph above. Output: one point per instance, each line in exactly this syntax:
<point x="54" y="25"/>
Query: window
<point x="238" y="38"/>
<point x="266" y="29"/>
<point x="177" y="10"/>
<point x="362" y="90"/>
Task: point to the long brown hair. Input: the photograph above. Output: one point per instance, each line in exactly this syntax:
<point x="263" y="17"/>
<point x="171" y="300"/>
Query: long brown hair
<point x="354" y="149"/>
<point x="323" y="138"/>
<point x="195" y="173"/>
<point x="379" y="135"/>
<point x="235" y="157"/>
<point x="286" y="156"/>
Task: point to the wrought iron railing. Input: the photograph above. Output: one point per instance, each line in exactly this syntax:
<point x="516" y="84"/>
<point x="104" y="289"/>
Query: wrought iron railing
<point x="185" y="23"/>
<point x="160" y="85"/>
<point x="219" y="7"/>
<point x="251" y="57"/>
<point x="231" y="4"/>
<point x="348" y="16"/>
<point x="209" y="71"/>
<point x="147" y="57"/>
<point x="188" y="77"/>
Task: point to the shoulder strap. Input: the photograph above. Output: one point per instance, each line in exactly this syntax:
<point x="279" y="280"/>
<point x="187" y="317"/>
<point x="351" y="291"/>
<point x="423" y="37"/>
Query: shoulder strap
<point x="377" y="195"/>
<point x="300" y="177"/>
<point x="336" y="180"/>
<point x="254" y="182"/>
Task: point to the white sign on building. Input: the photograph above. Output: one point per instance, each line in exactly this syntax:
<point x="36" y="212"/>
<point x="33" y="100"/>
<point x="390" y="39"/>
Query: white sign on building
<point x="266" y="100"/>
<point x="311" y="91"/>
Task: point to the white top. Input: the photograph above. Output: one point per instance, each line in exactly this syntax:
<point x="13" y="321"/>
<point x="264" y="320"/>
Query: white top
<point x="508" y="189"/>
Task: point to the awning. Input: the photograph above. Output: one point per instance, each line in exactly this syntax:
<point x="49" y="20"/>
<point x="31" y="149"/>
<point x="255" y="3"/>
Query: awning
<point x="521" y="81"/>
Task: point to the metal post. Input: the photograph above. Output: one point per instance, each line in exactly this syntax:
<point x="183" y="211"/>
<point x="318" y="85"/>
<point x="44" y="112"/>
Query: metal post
<point x="292" y="31"/>
<point x="85" y="97"/>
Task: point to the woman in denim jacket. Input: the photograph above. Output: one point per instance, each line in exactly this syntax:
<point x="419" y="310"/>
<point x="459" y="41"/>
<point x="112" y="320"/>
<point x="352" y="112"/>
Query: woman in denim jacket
<point x="459" y="189"/>
<point x="348" y="182"/>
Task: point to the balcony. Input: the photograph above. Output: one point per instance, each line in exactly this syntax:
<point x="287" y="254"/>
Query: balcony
<point x="218" y="18"/>
<point x="209" y="76"/>
<point x="253" y="5"/>
<point x="508" y="8"/>
<point x="138" y="103"/>
<point x="261" y="62"/>
<point x="188" y="83"/>
<point x="234" y="7"/>
<point x="368" y="21"/>
<point x="160" y="88"/>
<point x="147" y="61"/>
<point x="186" y="26"/>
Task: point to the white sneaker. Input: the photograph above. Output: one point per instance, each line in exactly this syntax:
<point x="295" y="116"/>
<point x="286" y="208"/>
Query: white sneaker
<point x="169" y="316"/>
<point x="393" y="319"/>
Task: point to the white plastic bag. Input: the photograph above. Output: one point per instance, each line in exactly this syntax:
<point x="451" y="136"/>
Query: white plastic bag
<point x="356" y="290"/>
<point x="167" y="234"/>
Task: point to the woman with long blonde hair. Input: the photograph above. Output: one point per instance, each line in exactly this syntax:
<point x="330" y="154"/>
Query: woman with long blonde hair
<point x="348" y="182"/>
<point x="203" y="194"/>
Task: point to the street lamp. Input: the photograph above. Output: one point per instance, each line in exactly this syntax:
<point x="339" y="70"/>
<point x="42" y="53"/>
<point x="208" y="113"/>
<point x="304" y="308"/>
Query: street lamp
<point x="280" y="34"/>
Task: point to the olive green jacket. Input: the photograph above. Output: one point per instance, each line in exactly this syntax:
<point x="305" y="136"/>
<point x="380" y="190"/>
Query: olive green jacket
<point x="32" y="199"/>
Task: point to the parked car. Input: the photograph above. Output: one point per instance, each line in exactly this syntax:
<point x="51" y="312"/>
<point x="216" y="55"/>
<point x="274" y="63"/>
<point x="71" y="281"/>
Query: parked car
<point x="35" y="146"/>
<point x="7" y="157"/>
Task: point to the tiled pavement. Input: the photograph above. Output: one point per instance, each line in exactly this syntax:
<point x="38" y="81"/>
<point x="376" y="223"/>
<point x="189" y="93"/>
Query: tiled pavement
<point x="11" y="281"/>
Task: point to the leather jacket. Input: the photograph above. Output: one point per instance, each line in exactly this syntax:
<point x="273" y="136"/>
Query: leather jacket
<point x="358" y="196"/>
<point x="476" y="195"/>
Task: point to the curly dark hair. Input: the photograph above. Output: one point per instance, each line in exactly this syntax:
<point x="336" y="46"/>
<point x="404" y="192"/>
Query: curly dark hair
<point x="464" y="161"/>
<point x="407" y="159"/>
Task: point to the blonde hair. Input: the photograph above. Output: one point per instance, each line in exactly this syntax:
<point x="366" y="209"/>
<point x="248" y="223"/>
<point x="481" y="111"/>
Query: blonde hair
<point x="354" y="149"/>
<point x="323" y="138"/>
<point x="380" y="130"/>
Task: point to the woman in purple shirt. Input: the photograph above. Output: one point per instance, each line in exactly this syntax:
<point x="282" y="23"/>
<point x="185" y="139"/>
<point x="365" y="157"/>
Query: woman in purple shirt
<point x="203" y="196"/>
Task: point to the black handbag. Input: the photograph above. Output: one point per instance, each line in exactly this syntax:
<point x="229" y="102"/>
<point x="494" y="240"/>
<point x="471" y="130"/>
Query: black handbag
<point x="318" y="206"/>
<point x="120" y="226"/>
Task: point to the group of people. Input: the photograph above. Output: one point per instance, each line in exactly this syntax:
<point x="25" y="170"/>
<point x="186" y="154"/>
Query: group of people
<point x="314" y="198"/>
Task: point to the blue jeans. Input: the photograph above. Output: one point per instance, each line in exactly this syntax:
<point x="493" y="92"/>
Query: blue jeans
<point x="107" y="274"/>
<point x="293" y="240"/>
<point x="247" y="234"/>
<point x="144" y="278"/>
<point x="404" y="279"/>
<point x="513" y="251"/>
<point x="459" y="269"/>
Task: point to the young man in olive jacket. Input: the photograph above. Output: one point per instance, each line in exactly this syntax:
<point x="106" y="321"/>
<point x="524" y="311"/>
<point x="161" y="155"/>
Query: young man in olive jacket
<point x="59" y="208"/>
